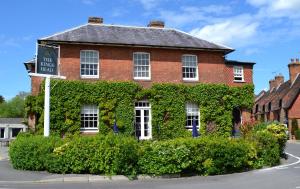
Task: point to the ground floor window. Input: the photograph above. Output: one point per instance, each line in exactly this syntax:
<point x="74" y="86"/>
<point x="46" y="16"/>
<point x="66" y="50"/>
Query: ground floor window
<point x="89" y="118"/>
<point x="192" y="113"/>
<point x="15" y="131"/>
<point x="2" y="130"/>
<point x="143" y="120"/>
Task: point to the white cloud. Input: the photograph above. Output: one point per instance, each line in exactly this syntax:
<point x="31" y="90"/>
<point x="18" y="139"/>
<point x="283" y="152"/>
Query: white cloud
<point x="88" y="2"/>
<point x="149" y="4"/>
<point x="277" y="8"/>
<point x="189" y="14"/>
<point x="238" y="31"/>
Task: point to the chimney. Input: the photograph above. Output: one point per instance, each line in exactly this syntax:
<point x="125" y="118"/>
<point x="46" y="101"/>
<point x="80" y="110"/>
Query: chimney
<point x="294" y="69"/>
<point x="272" y="84"/>
<point x="95" y="20"/>
<point x="156" y="24"/>
<point x="279" y="79"/>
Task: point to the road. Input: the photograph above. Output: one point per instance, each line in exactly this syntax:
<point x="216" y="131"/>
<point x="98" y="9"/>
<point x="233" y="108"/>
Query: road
<point x="283" y="177"/>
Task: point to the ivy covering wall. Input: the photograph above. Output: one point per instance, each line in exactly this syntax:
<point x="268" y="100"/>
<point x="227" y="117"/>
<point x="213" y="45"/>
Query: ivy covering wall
<point x="216" y="102"/>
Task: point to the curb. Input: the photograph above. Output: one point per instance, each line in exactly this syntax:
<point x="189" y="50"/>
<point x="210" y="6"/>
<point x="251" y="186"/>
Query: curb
<point x="65" y="179"/>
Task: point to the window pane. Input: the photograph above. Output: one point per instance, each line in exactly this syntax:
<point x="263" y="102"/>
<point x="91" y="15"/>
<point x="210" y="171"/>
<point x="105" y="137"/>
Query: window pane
<point x="141" y="65"/>
<point x="192" y="113"/>
<point x="189" y="66"/>
<point x="89" y="61"/>
<point x="89" y="117"/>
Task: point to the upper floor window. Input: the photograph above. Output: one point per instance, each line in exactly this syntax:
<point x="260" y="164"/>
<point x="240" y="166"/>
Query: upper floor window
<point x="238" y="73"/>
<point x="141" y="62"/>
<point x="192" y="113"/>
<point x="89" y="118"/>
<point x="189" y="67"/>
<point x="89" y="64"/>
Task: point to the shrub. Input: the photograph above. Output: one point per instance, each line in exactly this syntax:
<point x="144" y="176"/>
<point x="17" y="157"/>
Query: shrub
<point x="109" y="154"/>
<point x="294" y="126"/>
<point x="202" y="156"/>
<point x="165" y="157"/>
<point x="297" y="134"/>
<point x="29" y="152"/>
<point x="279" y="131"/>
<point x="268" y="152"/>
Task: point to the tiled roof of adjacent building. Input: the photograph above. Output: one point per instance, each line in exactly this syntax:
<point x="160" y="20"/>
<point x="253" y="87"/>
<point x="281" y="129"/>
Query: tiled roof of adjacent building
<point x="11" y="120"/>
<point x="133" y="36"/>
<point x="281" y="97"/>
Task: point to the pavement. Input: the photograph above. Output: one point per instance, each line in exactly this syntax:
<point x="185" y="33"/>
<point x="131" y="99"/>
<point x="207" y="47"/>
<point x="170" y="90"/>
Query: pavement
<point x="284" y="176"/>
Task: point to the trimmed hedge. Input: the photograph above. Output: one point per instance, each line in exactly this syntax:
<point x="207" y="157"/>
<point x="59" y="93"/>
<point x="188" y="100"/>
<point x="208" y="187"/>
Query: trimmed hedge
<point x="204" y="156"/>
<point x="117" y="154"/>
<point x="29" y="152"/>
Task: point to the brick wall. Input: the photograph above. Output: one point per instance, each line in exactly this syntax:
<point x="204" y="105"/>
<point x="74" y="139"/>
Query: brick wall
<point x="116" y="64"/>
<point x="294" y="111"/>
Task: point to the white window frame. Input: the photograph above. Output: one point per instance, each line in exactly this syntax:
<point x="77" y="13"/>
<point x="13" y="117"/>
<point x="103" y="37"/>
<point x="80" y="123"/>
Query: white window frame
<point x="98" y="65"/>
<point x="89" y="129"/>
<point x="197" y="75"/>
<point x="11" y="132"/>
<point x="143" y="137"/>
<point x="188" y="105"/>
<point x="4" y="133"/>
<point x="137" y="77"/>
<point x="240" y="75"/>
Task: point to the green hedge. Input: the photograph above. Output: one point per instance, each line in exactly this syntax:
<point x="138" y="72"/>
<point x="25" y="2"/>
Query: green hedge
<point x="205" y="156"/>
<point x="117" y="154"/>
<point x="30" y="152"/>
<point x="96" y="155"/>
<point x="216" y="102"/>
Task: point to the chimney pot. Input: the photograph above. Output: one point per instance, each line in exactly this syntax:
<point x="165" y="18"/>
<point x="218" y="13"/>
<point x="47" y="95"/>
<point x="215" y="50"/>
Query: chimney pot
<point x="95" y="20"/>
<point x="156" y="24"/>
<point x="292" y="60"/>
<point x="297" y="60"/>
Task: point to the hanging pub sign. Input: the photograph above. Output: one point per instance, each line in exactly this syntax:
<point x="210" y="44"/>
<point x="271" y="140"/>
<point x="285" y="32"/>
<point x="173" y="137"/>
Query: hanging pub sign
<point x="47" y="58"/>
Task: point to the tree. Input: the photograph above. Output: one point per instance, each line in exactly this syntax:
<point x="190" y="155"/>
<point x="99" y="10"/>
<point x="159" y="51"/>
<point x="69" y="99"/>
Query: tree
<point x="13" y="107"/>
<point x="2" y="99"/>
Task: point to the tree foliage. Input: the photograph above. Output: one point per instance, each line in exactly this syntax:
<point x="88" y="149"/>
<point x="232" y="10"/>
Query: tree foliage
<point x="2" y="99"/>
<point x="14" y="107"/>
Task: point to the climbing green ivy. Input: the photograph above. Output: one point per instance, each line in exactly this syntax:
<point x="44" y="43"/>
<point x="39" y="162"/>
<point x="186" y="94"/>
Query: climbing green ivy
<point x="116" y="99"/>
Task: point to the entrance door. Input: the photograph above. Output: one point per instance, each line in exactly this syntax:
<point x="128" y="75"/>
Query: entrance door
<point x="143" y="120"/>
<point x="237" y="120"/>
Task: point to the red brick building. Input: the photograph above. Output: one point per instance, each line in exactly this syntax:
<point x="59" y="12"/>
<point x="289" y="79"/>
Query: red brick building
<point x="146" y="55"/>
<point x="282" y="101"/>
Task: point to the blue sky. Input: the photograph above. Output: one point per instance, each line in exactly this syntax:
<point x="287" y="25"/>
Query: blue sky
<point x="263" y="31"/>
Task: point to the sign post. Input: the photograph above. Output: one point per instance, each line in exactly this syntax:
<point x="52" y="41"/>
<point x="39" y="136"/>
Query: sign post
<point x="47" y="67"/>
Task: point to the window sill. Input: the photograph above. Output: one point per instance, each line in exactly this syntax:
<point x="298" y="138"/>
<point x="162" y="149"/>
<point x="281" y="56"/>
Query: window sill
<point x="141" y="79"/>
<point x="89" y="130"/>
<point x="89" y="77"/>
<point x="190" y="80"/>
<point x="239" y="81"/>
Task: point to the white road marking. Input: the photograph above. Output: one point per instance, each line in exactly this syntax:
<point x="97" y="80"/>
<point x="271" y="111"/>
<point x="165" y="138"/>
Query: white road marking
<point x="298" y="187"/>
<point x="297" y="167"/>
<point x="284" y="166"/>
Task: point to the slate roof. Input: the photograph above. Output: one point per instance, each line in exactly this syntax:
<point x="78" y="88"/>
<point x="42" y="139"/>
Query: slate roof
<point x="133" y="36"/>
<point x="281" y="97"/>
<point x="11" y="120"/>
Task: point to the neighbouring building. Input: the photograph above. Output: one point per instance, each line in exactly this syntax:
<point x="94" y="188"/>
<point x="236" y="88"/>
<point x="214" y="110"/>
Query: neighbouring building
<point x="10" y="127"/>
<point x="146" y="55"/>
<point x="282" y="101"/>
